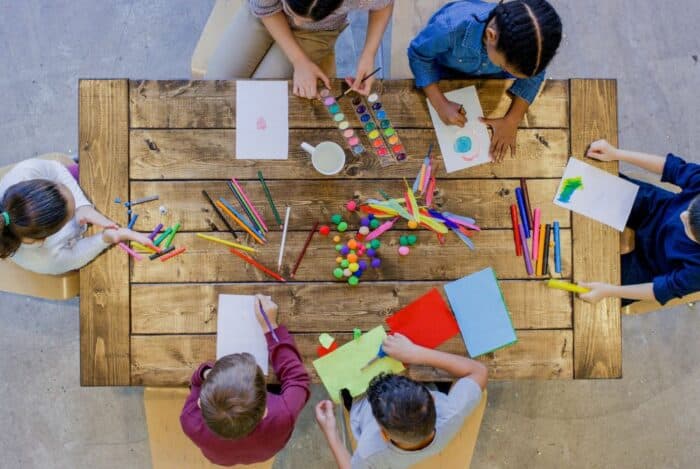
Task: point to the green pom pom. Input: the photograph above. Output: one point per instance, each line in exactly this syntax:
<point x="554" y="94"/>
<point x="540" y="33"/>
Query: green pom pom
<point x="353" y="280"/>
<point x="344" y="264"/>
<point x="374" y="224"/>
<point x="375" y="244"/>
<point x="335" y="219"/>
<point x="342" y="226"/>
<point x="412" y="239"/>
<point x="338" y="247"/>
<point x="338" y="273"/>
<point x="403" y="240"/>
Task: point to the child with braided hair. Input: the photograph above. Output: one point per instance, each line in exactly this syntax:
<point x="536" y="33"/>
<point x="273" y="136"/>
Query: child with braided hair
<point x="468" y="38"/>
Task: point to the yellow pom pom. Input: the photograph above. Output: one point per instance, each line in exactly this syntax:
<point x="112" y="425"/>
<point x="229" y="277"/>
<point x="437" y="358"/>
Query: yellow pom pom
<point x="412" y="224"/>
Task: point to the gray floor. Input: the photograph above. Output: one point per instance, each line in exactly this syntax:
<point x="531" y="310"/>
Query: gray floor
<point x="650" y="418"/>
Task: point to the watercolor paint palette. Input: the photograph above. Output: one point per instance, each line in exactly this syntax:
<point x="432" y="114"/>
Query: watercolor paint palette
<point x="349" y="135"/>
<point x="389" y="133"/>
<point x="380" y="132"/>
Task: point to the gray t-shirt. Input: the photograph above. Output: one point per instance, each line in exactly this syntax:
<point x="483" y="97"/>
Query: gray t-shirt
<point x="451" y="410"/>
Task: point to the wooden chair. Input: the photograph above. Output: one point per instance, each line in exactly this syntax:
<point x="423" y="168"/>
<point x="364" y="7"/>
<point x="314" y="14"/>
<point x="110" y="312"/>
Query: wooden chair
<point x="15" y="279"/>
<point x="170" y="447"/>
<point x="457" y="454"/>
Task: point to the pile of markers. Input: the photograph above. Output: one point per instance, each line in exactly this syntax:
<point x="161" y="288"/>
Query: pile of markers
<point x="529" y="226"/>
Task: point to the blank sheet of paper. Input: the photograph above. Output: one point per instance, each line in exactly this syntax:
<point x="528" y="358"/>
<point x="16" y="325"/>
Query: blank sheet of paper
<point x="262" y="120"/>
<point x="238" y="329"/>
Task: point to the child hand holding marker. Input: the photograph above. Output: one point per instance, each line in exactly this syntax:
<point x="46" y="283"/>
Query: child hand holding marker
<point x="665" y="262"/>
<point x="270" y="308"/>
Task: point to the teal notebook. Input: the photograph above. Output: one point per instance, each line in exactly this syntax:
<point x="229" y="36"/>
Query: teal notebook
<point x="478" y="305"/>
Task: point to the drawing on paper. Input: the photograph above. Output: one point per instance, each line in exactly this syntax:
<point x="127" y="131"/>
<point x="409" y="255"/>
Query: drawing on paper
<point x="568" y="187"/>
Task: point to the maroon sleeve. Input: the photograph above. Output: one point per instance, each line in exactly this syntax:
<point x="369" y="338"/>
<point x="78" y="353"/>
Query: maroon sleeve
<point x="190" y="416"/>
<point x="289" y="369"/>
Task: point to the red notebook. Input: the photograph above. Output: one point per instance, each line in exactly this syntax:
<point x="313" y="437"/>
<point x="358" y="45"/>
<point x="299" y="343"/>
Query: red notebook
<point x="428" y="321"/>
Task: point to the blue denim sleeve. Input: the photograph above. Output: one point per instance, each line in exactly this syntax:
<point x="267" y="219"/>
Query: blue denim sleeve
<point x="676" y="284"/>
<point x="678" y="172"/>
<point x="435" y="39"/>
<point x="527" y="88"/>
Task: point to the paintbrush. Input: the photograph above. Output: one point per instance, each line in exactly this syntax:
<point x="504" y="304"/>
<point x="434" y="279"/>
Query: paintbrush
<point x="363" y="80"/>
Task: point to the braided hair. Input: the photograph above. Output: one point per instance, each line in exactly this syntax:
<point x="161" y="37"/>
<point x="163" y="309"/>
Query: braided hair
<point x="315" y="10"/>
<point x="529" y="33"/>
<point x="35" y="209"/>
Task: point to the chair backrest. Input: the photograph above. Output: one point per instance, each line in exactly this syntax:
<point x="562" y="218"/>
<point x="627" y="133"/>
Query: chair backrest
<point x="458" y="453"/>
<point x="170" y="447"/>
<point x="220" y="17"/>
<point x="14" y="279"/>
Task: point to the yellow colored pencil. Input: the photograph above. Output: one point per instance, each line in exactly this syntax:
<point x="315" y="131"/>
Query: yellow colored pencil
<point x="141" y="247"/>
<point x="226" y="243"/>
<point x="567" y="286"/>
<point x="240" y="223"/>
<point x="540" y="250"/>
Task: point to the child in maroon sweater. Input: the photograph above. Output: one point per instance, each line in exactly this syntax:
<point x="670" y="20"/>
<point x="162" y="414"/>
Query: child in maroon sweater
<point x="230" y="415"/>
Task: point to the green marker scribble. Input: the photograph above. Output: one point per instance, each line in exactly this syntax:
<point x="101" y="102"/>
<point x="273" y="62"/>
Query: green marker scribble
<point x="569" y="186"/>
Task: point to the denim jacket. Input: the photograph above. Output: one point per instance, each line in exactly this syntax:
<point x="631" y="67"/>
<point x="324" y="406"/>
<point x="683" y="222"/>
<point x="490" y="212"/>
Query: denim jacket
<point x="452" y="42"/>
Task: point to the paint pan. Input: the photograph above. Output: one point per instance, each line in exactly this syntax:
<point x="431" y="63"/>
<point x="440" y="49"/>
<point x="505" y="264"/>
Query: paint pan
<point x="352" y="139"/>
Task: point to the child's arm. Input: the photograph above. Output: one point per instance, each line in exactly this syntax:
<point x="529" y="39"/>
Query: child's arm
<point x="603" y="151"/>
<point x="378" y="20"/>
<point x="599" y="291"/>
<point x="306" y="72"/>
<point x="401" y="348"/>
<point x="325" y="417"/>
<point x="190" y="411"/>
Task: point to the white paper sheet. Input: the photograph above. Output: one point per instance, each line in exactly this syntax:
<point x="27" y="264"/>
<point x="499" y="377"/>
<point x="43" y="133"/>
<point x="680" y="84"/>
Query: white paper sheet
<point x="463" y="147"/>
<point x="238" y="329"/>
<point x="603" y="197"/>
<point x="262" y="120"/>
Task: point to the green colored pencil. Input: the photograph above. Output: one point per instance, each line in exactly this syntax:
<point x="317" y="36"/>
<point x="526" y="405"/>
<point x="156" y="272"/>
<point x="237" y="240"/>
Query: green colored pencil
<point x="162" y="236"/>
<point x="269" y="199"/>
<point x="169" y="239"/>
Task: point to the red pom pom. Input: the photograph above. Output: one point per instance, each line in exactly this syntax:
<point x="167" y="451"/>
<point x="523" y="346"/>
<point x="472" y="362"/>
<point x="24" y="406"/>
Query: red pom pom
<point x="324" y="230"/>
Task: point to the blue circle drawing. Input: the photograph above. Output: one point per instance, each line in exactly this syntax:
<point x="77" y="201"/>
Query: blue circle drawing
<point x="463" y="144"/>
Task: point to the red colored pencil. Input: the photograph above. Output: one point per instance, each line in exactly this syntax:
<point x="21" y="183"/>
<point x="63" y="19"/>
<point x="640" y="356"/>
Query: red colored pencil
<point x="516" y="233"/>
<point x="256" y="264"/>
<point x="303" y="251"/>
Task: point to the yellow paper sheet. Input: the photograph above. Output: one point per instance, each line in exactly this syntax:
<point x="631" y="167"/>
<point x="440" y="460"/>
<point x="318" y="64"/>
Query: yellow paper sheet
<point x="342" y="367"/>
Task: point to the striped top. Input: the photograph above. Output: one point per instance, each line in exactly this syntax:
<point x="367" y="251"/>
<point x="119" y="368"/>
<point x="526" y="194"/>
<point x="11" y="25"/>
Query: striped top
<point x="336" y="20"/>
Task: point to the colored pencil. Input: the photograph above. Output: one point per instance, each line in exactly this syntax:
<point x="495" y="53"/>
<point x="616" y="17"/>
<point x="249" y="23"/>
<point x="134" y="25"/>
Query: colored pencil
<point x="303" y="251"/>
<point x="567" y="286"/>
<point x="240" y="216"/>
<point x="256" y="264"/>
<point x="171" y="236"/>
<point x="269" y="199"/>
<point x="267" y="321"/>
<point x="161" y="253"/>
<point x="240" y="223"/>
<point x="141" y="247"/>
<point x="155" y="231"/>
<point x="250" y="204"/>
<point x="526" y="197"/>
<point x="362" y="81"/>
<point x="130" y="251"/>
<point x="545" y="257"/>
<point x="523" y="211"/>
<point x="230" y="244"/>
<point x="143" y="200"/>
<point x="523" y="243"/>
<point x="221" y="215"/>
<point x="170" y="255"/>
<point x="540" y="250"/>
<point x="132" y="222"/>
<point x="536" y="233"/>
<point x="516" y="233"/>
<point x="284" y="238"/>
<point x="162" y="236"/>
<point x="249" y="213"/>
<point x="557" y="248"/>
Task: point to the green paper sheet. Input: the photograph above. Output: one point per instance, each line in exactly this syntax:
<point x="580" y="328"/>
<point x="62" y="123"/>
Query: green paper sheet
<point x="342" y="368"/>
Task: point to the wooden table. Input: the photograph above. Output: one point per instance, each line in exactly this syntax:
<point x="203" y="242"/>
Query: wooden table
<point x="151" y="323"/>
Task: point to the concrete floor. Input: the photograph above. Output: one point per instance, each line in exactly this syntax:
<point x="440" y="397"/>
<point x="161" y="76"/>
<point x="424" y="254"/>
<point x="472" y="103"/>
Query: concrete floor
<point x="650" y="418"/>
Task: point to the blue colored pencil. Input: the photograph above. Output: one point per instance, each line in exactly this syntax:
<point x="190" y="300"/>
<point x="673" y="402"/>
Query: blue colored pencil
<point x="557" y="248"/>
<point x="523" y="210"/>
<point x="132" y="222"/>
<point x="247" y="209"/>
<point x="241" y="217"/>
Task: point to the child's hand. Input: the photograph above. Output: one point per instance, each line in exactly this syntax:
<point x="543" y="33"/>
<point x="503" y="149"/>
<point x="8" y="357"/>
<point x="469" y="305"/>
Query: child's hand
<point x="306" y="76"/>
<point x="118" y="235"/>
<point x="89" y="216"/>
<point x="451" y="113"/>
<point x="325" y="417"/>
<point x="504" y="135"/>
<point x="602" y="150"/>
<point x="270" y="308"/>
<point x="599" y="291"/>
<point x="400" y="347"/>
<point x="365" y="66"/>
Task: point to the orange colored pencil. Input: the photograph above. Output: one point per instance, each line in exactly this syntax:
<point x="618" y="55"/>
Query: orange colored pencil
<point x="540" y="250"/>
<point x="240" y="223"/>
<point x="256" y="264"/>
<point x="172" y="254"/>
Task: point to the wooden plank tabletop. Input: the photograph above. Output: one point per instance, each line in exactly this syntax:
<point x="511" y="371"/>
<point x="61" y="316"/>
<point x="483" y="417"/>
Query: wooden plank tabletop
<point x="152" y="323"/>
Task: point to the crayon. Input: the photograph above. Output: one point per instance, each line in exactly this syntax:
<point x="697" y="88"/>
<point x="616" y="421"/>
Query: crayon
<point x="557" y="248"/>
<point x="132" y="222"/>
<point x="170" y="255"/>
<point x="169" y="239"/>
<point x="523" y="210"/>
<point x="162" y="236"/>
<point x="155" y="231"/>
<point x="545" y="257"/>
<point x="130" y="251"/>
<point x="516" y="234"/>
<point x="161" y="253"/>
<point x="567" y="286"/>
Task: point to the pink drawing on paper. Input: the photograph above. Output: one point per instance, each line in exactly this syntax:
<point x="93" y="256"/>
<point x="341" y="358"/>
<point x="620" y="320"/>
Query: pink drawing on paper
<point x="261" y="123"/>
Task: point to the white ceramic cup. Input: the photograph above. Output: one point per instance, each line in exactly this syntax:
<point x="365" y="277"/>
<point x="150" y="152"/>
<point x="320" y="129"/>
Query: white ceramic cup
<point x="327" y="157"/>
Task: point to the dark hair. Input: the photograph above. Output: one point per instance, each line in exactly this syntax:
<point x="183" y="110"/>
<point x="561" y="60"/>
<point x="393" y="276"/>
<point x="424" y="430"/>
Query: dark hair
<point x="313" y="9"/>
<point x="234" y="396"/>
<point x="36" y="209"/>
<point x="694" y="217"/>
<point x="529" y="33"/>
<point x="402" y="407"/>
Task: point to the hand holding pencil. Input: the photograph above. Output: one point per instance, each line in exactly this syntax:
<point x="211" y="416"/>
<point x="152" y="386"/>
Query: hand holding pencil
<point x="270" y="308"/>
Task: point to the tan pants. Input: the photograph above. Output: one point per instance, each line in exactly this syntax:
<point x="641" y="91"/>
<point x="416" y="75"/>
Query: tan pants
<point x="247" y="50"/>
